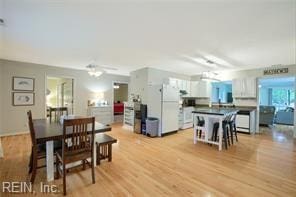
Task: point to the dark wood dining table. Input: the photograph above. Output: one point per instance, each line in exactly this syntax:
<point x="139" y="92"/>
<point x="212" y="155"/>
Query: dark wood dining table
<point x="47" y="132"/>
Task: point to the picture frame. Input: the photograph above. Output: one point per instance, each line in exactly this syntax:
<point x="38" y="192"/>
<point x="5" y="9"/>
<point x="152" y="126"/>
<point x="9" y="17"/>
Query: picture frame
<point x="23" y="84"/>
<point x="23" y="98"/>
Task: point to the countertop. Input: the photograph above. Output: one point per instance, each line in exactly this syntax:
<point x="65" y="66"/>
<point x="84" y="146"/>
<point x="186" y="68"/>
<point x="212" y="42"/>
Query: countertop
<point x="240" y="108"/>
<point x="214" y="111"/>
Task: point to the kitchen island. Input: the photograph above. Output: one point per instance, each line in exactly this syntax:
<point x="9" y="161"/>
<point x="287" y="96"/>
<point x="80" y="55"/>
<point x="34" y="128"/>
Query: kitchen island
<point x="210" y="116"/>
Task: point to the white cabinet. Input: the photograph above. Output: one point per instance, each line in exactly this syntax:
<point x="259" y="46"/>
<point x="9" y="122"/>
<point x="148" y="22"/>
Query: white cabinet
<point x="102" y="114"/>
<point x="244" y="88"/>
<point x="236" y="88"/>
<point x="200" y="89"/>
<point x="187" y="87"/>
<point x="194" y="89"/>
<point x="174" y="82"/>
<point x="181" y="84"/>
<point x="129" y="116"/>
<point x="251" y="87"/>
<point x="203" y="89"/>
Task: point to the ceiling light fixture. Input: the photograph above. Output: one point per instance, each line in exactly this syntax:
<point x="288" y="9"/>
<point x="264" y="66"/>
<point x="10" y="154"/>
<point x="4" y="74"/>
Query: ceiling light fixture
<point x="206" y="62"/>
<point x="209" y="76"/>
<point x="217" y="60"/>
<point x="94" y="70"/>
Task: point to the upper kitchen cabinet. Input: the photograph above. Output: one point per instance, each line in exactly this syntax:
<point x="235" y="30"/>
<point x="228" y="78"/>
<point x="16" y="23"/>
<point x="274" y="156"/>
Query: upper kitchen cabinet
<point x="194" y="89"/>
<point x="245" y="88"/>
<point x="199" y="89"/>
<point x="202" y="89"/>
<point x="181" y="85"/>
<point x="173" y="82"/>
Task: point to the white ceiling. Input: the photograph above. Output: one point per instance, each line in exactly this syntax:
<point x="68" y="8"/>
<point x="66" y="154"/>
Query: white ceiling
<point x="166" y="34"/>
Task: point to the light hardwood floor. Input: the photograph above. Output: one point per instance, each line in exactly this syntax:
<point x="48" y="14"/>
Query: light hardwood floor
<point x="172" y="166"/>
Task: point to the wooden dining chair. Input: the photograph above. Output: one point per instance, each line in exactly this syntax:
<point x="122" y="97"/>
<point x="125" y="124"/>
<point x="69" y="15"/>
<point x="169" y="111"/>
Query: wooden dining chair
<point x="37" y="150"/>
<point x="77" y="145"/>
<point x="58" y="112"/>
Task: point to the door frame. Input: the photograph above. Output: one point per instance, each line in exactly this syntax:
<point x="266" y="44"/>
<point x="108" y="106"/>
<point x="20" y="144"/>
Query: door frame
<point x="112" y="99"/>
<point x="258" y="98"/>
<point x="73" y="89"/>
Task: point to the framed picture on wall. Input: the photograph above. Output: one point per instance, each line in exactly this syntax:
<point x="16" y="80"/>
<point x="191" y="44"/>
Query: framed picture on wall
<point x="23" y="84"/>
<point x="23" y="98"/>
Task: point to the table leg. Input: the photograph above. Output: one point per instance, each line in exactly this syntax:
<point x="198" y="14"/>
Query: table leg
<point x="220" y="134"/>
<point x="109" y="152"/>
<point x="49" y="161"/>
<point x="95" y="153"/>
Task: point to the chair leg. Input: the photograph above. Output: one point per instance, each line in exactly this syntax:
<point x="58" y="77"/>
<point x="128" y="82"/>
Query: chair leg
<point x="228" y="134"/>
<point x="231" y="132"/>
<point x="57" y="168"/>
<point x="31" y="162"/>
<point x="83" y="164"/>
<point x="225" y="136"/>
<point x="34" y="169"/>
<point x="235" y="131"/>
<point x="64" y="179"/>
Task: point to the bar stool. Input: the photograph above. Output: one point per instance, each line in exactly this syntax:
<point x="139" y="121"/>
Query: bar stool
<point x="199" y="128"/>
<point x="225" y="128"/>
<point x="200" y="125"/>
<point x="232" y="127"/>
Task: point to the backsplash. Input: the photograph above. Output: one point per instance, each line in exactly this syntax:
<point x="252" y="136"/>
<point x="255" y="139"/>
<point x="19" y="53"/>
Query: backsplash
<point x="245" y="102"/>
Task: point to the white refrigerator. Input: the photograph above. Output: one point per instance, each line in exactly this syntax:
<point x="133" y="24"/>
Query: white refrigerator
<point x="163" y="103"/>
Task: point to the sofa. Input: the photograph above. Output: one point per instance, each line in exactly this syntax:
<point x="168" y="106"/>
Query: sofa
<point x="266" y="115"/>
<point x="285" y="116"/>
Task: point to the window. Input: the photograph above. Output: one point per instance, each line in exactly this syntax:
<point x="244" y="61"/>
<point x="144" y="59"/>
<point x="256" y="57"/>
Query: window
<point x="222" y="91"/>
<point x="283" y="97"/>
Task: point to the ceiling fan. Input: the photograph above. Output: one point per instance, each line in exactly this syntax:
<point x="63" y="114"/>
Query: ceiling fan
<point x="96" y="70"/>
<point x="207" y="61"/>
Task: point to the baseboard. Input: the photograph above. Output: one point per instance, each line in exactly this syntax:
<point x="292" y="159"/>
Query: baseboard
<point x="13" y="133"/>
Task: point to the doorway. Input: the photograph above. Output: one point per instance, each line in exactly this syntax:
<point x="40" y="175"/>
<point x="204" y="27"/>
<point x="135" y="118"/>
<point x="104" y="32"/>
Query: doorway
<point x="277" y="105"/>
<point x="60" y="93"/>
<point x="120" y="95"/>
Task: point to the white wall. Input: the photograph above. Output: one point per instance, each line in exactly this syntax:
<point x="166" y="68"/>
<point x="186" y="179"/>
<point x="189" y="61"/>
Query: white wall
<point x="1" y="28"/>
<point x="85" y="88"/>
<point x="156" y="76"/>
<point x="140" y="79"/>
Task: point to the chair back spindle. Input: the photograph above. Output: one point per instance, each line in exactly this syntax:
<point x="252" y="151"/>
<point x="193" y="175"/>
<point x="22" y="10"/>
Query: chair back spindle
<point x="76" y="131"/>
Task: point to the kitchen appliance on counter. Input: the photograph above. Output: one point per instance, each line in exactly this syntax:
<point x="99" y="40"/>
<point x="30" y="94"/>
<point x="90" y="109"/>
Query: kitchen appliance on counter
<point x="163" y="103"/>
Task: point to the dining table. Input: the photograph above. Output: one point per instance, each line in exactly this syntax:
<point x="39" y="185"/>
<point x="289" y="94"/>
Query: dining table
<point x="210" y="116"/>
<point x="47" y="132"/>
